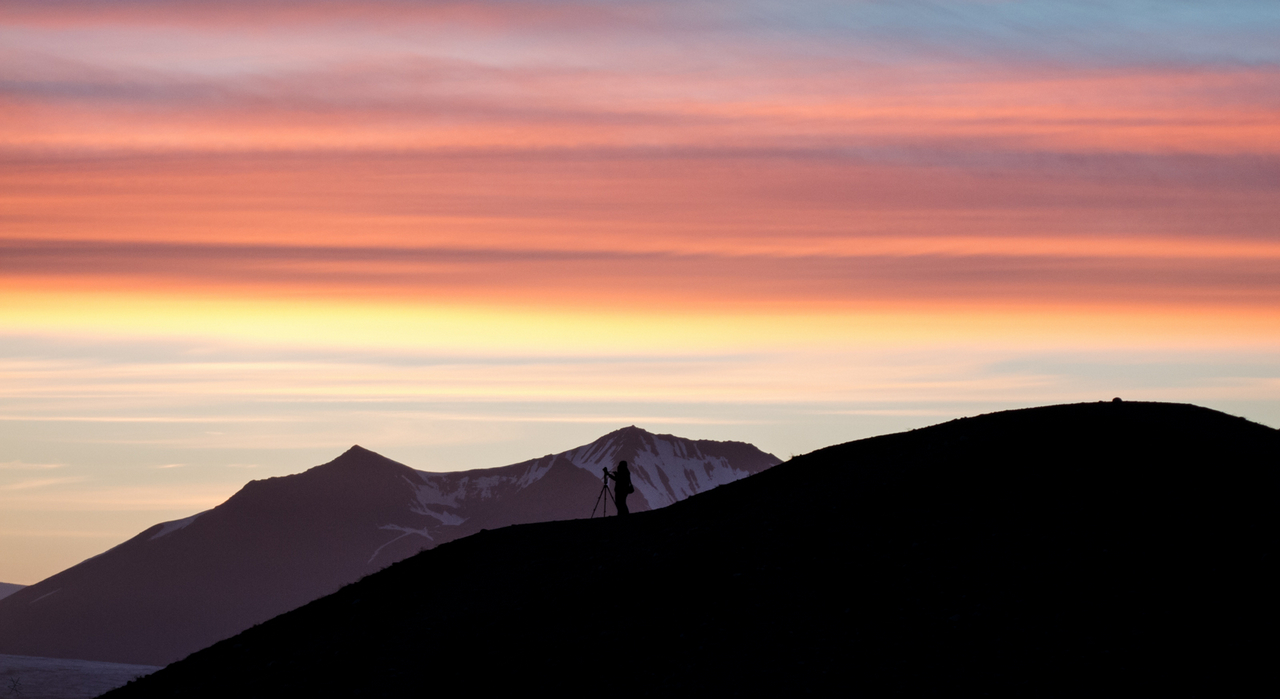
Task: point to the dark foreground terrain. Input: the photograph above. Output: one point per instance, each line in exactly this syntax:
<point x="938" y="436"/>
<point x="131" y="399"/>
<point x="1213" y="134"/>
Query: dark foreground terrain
<point x="1110" y="548"/>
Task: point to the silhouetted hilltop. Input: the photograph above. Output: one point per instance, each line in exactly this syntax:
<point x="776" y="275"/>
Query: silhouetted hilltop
<point x="1113" y="548"/>
<point x="281" y="542"/>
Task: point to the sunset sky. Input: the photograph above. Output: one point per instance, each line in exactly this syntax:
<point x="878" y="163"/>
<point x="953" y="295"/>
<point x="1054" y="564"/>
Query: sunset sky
<point x="237" y="237"/>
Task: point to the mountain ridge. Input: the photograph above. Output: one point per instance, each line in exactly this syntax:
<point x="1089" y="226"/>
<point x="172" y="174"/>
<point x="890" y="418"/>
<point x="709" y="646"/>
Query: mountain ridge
<point x="280" y="542"/>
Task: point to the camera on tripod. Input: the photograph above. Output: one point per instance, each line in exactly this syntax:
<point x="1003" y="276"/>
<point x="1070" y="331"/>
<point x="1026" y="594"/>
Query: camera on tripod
<point x="604" y="488"/>
<point x="623" y="476"/>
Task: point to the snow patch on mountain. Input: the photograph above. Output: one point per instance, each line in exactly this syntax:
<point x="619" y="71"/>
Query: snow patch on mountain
<point x="596" y="455"/>
<point x="170" y="527"/>
<point x="404" y="531"/>
<point x="43" y="596"/>
<point x="664" y="469"/>
<point x="486" y="484"/>
<point x="428" y="492"/>
<point x="446" y="518"/>
<point x="536" y="470"/>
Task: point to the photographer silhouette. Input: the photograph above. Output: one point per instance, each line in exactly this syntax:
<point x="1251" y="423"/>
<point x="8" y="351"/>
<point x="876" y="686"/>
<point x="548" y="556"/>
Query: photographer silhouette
<point x="622" y="475"/>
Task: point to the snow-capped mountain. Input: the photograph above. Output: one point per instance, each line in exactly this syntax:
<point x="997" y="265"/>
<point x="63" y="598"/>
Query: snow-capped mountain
<point x="281" y="542"/>
<point x="664" y="469"/>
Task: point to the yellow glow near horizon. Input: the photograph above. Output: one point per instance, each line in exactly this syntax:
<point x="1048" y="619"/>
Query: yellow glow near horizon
<point x="589" y="330"/>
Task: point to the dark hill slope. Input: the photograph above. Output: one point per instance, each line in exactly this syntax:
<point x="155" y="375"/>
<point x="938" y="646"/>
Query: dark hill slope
<point x="1113" y="548"/>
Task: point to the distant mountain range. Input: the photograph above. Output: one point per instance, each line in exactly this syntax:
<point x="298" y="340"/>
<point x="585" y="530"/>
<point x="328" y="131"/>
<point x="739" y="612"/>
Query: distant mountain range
<point x="7" y="589"/>
<point x="1124" y="549"/>
<point x="282" y="542"/>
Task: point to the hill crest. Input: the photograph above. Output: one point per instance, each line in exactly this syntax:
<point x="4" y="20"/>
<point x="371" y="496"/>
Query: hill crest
<point x="1029" y="552"/>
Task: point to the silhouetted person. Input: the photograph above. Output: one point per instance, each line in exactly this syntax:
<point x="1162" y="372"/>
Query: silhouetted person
<point x="623" y="476"/>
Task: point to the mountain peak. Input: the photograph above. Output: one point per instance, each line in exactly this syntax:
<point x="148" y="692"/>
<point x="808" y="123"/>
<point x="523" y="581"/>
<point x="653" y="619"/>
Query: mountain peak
<point x="628" y="430"/>
<point x="361" y="458"/>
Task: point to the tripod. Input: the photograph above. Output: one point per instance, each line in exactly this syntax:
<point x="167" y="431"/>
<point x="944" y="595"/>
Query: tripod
<point x="604" y="488"/>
